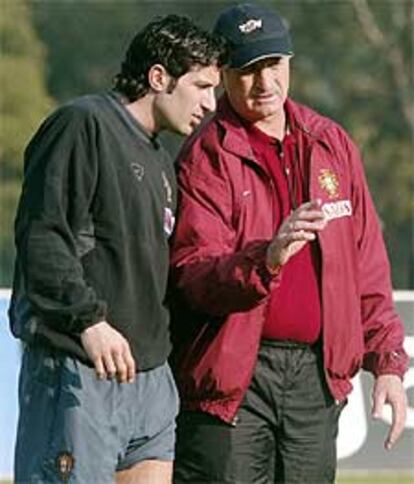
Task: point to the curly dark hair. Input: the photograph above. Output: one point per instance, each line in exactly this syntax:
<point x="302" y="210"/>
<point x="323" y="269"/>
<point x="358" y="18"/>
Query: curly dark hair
<point x="173" y="41"/>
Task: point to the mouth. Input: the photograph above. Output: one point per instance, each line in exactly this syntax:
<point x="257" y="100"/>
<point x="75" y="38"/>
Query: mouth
<point x="196" y="119"/>
<point x="266" y="97"/>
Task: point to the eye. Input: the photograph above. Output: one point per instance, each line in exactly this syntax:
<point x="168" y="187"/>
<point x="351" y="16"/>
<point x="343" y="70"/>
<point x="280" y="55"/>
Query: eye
<point x="248" y="69"/>
<point x="204" y="86"/>
<point x="275" y="63"/>
<point x="275" y="67"/>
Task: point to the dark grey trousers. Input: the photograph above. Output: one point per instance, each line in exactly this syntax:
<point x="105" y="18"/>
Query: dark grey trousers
<point x="285" y="433"/>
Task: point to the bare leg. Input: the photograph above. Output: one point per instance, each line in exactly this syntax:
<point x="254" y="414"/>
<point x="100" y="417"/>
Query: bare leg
<point x="147" y="472"/>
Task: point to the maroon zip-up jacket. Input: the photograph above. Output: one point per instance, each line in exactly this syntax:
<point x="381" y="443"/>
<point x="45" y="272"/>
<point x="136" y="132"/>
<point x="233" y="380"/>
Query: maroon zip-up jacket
<point x="221" y="284"/>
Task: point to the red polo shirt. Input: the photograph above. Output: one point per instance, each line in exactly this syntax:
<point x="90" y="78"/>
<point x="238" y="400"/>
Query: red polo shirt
<point x="294" y="311"/>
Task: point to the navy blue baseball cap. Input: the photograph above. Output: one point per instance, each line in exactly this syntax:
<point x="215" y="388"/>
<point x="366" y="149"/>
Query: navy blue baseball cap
<point x="252" y="33"/>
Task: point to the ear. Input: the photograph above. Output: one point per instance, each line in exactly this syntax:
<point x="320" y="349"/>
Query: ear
<point x="158" y="78"/>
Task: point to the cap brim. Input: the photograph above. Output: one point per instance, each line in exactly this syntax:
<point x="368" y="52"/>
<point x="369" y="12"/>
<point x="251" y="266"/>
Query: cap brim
<point x="255" y="51"/>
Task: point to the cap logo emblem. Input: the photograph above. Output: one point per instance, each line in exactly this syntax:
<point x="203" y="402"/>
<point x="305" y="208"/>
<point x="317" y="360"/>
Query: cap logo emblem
<point x="250" y="26"/>
<point x="328" y="181"/>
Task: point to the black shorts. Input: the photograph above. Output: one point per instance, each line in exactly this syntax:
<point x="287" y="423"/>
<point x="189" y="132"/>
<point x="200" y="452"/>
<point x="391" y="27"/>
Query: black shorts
<point x="285" y="432"/>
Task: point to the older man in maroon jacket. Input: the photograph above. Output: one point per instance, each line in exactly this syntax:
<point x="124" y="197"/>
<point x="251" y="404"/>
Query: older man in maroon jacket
<point x="281" y="275"/>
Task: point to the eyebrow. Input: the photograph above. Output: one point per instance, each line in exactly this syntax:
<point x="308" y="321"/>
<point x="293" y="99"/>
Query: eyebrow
<point x="204" y="83"/>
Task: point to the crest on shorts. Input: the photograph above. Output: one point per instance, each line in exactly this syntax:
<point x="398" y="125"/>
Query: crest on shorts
<point x="65" y="462"/>
<point x="328" y="181"/>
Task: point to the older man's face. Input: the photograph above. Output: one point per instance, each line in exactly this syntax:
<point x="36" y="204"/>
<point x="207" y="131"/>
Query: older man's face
<point x="258" y="91"/>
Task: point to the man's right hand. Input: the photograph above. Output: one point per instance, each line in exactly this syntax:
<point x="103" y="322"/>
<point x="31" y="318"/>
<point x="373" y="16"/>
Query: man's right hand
<point x="109" y="352"/>
<point x="296" y="230"/>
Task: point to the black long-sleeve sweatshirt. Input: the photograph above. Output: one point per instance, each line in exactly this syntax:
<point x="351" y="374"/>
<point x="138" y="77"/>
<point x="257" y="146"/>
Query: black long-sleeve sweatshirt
<point x="92" y="227"/>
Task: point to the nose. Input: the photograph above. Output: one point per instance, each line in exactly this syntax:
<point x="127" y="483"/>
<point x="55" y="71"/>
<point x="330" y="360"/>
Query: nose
<point x="264" y="79"/>
<point x="209" y="100"/>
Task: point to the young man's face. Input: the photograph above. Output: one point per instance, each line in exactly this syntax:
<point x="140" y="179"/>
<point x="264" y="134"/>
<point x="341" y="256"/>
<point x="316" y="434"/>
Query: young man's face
<point x="182" y="108"/>
<point x="258" y="91"/>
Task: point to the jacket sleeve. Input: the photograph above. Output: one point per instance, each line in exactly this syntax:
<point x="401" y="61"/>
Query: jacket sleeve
<point x="59" y="183"/>
<point x="215" y="276"/>
<point x="383" y="330"/>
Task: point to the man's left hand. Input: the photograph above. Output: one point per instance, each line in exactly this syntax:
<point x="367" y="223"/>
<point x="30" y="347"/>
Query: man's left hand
<point x="389" y="389"/>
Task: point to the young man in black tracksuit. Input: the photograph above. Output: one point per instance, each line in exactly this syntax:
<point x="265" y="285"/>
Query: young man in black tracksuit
<point x="92" y="228"/>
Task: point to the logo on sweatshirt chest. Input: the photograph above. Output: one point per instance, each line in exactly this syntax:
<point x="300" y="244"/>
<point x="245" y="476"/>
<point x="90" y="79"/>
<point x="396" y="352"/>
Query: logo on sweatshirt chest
<point x="138" y="170"/>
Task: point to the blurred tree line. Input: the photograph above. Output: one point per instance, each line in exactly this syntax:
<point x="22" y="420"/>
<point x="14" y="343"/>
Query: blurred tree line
<point x="23" y="101"/>
<point x="354" y="62"/>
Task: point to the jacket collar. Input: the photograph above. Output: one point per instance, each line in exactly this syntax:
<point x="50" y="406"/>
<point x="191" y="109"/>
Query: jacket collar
<point x="306" y="120"/>
<point x="236" y="141"/>
<point x="235" y="136"/>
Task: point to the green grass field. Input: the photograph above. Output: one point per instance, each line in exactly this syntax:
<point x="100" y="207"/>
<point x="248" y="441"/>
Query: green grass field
<point x="375" y="479"/>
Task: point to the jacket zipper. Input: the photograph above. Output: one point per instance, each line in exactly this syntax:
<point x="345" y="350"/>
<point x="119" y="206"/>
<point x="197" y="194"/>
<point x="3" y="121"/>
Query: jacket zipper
<point x="322" y="270"/>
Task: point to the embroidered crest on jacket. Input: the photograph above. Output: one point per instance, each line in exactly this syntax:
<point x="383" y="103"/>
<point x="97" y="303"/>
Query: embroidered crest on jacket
<point x="328" y="181"/>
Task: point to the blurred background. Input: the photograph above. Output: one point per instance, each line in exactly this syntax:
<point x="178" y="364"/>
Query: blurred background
<point x="354" y="62"/>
